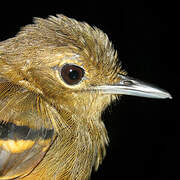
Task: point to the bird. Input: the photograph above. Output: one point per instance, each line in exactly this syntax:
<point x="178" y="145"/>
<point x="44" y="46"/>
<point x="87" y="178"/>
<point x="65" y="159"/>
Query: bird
<point x="57" y="76"/>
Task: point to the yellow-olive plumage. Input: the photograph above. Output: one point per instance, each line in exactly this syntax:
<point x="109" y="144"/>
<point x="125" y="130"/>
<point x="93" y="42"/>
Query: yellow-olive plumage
<point x="56" y="77"/>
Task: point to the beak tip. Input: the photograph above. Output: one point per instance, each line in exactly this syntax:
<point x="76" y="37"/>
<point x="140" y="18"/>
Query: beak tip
<point x="169" y="96"/>
<point x="165" y="95"/>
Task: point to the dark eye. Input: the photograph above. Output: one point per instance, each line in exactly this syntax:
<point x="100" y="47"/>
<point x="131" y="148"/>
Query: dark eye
<point x="72" y="74"/>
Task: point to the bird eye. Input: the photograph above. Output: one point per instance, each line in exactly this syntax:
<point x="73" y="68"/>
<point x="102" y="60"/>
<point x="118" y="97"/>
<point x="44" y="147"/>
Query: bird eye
<point x="72" y="74"/>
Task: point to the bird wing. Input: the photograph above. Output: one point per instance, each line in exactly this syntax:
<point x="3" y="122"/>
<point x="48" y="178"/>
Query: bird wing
<point x="26" y="132"/>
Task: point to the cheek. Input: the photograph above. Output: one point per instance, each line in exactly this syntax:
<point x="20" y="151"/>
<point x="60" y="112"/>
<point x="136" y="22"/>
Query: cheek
<point x="100" y="102"/>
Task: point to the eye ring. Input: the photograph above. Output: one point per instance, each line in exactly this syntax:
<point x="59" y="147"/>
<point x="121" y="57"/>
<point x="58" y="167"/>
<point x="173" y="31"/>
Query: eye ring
<point x="72" y="74"/>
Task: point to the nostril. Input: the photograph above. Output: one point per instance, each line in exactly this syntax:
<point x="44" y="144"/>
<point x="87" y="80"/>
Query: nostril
<point x="127" y="83"/>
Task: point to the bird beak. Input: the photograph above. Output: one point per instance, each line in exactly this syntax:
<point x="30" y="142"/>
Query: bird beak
<point x="133" y="87"/>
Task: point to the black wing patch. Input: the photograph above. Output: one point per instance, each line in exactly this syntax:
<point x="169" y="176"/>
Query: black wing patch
<point x="22" y="148"/>
<point x="11" y="131"/>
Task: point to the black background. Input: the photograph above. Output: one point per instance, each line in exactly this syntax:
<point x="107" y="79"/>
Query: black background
<point x="143" y="132"/>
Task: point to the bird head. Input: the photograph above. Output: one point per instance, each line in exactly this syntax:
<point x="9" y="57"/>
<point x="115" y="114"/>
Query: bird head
<point x="66" y="73"/>
<point x="73" y="65"/>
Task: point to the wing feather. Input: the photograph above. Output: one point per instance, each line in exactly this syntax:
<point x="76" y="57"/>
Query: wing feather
<point x="26" y="133"/>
